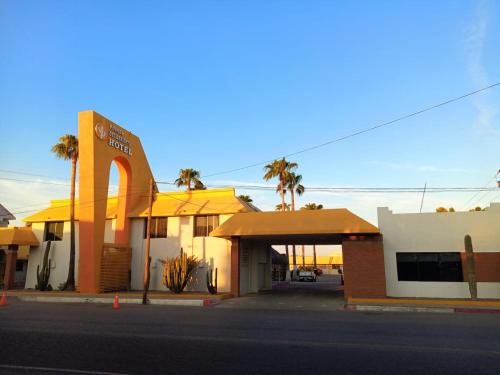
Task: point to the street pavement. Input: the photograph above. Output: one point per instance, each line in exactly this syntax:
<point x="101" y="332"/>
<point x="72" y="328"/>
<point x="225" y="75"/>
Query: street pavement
<point x="47" y="338"/>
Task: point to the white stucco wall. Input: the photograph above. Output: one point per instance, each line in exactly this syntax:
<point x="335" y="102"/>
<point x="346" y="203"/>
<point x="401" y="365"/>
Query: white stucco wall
<point x="212" y="252"/>
<point x="437" y="232"/>
<point x="255" y="266"/>
<point x="59" y="254"/>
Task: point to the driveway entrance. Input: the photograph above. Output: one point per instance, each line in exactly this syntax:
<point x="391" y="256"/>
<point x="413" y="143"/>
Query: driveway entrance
<point x="252" y="235"/>
<point x="325" y="294"/>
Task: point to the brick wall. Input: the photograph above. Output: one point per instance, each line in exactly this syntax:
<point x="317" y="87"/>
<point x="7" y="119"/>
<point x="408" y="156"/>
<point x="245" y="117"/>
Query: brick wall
<point x="487" y="267"/>
<point x="364" y="272"/>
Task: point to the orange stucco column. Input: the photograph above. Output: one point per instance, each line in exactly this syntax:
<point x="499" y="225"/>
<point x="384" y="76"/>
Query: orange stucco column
<point x="10" y="266"/>
<point x="235" y="266"/>
<point x="102" y="142"/>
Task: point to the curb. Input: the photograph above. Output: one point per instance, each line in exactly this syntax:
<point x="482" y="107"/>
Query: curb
<point x="134" y="301"/>
<point x="417" y="309"/>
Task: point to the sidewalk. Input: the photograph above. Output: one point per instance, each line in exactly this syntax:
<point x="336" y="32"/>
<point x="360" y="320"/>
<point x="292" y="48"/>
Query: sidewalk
<point x="132" y="297"/>
<point x="433" y="305"/>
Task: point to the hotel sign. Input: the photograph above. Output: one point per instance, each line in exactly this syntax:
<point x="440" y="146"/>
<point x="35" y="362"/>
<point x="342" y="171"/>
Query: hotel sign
<point x="114" y="136"/>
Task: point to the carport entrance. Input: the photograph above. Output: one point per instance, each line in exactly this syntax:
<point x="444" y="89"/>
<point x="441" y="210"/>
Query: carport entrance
<point x="253" y="234"/>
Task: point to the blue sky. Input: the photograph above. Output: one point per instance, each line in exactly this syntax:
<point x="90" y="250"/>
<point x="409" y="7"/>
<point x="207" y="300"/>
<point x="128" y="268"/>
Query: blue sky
<point x="216" y="85"/>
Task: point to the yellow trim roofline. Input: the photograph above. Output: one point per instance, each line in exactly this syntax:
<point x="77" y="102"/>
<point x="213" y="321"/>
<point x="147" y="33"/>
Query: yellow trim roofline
<point x="177" y="203"/>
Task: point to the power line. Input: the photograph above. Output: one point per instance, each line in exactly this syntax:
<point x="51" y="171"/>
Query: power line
<point x="35" y="181"/>
<point x="372" y="128"/>
<point x="475" y="195"/>
<point x="308" y="188"/>
<point x="352" y="189"/>
<point x="48" y="182"/>
<point x="25" y="173"/>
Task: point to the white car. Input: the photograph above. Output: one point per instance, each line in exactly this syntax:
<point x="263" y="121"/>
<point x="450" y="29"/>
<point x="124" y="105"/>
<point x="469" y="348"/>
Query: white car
<point x="307" y="276"/>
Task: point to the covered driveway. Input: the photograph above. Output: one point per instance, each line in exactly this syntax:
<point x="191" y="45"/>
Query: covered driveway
<point x="252" y="234"/>
<point x="11" y="239"/>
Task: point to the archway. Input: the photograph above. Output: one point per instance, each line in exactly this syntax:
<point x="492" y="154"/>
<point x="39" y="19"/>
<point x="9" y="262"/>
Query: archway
<point x="102" y="142"/>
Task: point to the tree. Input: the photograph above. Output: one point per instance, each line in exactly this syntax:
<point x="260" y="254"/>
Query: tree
<point x="245" y="198"/>
<point x="280" y="169"/>
<point x="313" y="206"/>
<point x="293" y="185"/>
<point x="187" y="177"/>
<point x="279" y="207"/>
<point x="67" y="149"/>
<point x="444" y="209"/>
<point x="198" y="185"/>
<point x="477" y="208"/>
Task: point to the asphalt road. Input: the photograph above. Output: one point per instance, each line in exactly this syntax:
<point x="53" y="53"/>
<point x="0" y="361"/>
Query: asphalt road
<point x="37" y="338"/>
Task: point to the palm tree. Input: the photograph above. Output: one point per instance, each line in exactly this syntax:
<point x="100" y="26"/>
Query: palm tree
<point x="313" y="206"/>
<point x="188" y="176"/>
<point x="245" y="198"/>
<point x="280" y="168"/>
<point x="67" y="149"/>
<point x="279" y="207"/>
<point x="293" y="185"/>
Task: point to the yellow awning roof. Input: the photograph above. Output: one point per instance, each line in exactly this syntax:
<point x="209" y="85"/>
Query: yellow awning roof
<point x="59" y="211"/>
<point x="303" y="222"/>
<point x="197" y="202"/>
<point x="17" y="236"/>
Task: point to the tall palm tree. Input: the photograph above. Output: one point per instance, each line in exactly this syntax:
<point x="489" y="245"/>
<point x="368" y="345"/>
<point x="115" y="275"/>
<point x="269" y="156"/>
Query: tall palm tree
<point x="280" y="168"/>
<point x="187" y="177"/>
<point x="279" y="207"/>
<point x="313" y="206"/>
<point x="245" y="198"/>
<point x="67" y="149"/>
<point x="293" y="185"/>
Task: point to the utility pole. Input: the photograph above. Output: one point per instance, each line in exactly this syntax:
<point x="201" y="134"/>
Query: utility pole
<point x="147" y="259"/>
<point x="423" y="196"/>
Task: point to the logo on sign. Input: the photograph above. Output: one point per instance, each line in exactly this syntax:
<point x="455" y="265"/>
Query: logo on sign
<point x="100" y="131"/>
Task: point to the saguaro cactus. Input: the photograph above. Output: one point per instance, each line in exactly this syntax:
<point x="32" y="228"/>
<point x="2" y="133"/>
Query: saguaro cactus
<point x="471" y="268"/>
<point x="42" y="277"/>
<point x="211" y="285"/>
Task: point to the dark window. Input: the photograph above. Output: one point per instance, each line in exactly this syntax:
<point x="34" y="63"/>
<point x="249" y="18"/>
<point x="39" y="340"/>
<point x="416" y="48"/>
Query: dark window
<point x="203" y="225"/>
<point x="158" y="227"/>
<point x="451" y="267"/>
<point x="407" y="266"/>
<point x="429" y="267"/>
<point x="19" y="265"/>
<point x="54" y="231"/>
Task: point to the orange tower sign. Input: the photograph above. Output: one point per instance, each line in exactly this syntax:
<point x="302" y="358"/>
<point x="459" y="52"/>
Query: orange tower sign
<point x="101" y="142"/>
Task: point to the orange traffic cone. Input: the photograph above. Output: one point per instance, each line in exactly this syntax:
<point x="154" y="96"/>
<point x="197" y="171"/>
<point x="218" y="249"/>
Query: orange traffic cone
<point x="116" y="303"/>
<point x="3" y="300"/>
